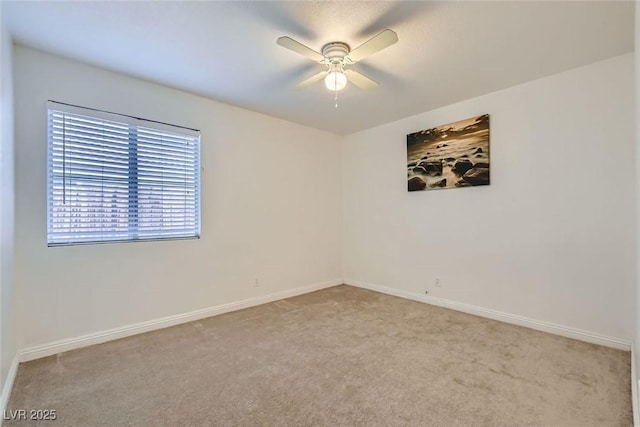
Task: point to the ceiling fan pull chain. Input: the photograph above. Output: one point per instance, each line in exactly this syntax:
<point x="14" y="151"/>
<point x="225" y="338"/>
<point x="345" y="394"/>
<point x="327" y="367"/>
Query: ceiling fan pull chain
<point x="335" y="76"/>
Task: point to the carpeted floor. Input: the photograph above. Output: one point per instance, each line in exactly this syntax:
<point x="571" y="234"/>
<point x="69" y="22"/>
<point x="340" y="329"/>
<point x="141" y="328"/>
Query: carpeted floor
<point x="342" y="356"/>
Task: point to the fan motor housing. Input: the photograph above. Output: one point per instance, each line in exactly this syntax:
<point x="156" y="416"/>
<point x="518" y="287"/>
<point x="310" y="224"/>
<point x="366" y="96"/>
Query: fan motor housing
<point x="335" y="50"/>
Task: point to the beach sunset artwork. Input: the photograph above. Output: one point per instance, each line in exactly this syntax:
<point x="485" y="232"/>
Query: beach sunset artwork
<point x="449" y="156"/>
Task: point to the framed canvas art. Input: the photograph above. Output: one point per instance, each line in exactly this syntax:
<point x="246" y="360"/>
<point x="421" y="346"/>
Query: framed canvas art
<point x="449" y="156"/>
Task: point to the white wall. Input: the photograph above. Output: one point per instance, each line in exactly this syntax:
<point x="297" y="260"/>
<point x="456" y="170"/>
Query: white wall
<point x="271" y="194"/>
<point x="551" y="239"/>
<point x="637" y="212"/>
<point x="8" y="345"/>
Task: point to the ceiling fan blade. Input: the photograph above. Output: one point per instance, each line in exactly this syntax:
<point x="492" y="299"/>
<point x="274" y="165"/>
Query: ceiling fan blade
<point x="311" y="80"/>
<point x="384" y="39"/>
<point x="360" y="80"/>
<point x="298" y="47"/>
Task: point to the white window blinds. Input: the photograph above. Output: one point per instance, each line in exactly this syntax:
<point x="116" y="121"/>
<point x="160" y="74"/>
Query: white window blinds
<point x="117" y="178"/>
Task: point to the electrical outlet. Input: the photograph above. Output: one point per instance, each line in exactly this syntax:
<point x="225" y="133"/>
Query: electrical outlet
<point x="256" y="282"/>
<point x="438" y="284"/>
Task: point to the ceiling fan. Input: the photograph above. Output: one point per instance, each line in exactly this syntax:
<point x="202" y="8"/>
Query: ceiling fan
<point x="337" y="56"/>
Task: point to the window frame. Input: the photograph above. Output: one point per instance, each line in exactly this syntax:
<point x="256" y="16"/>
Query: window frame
<point x="132" y="213"/>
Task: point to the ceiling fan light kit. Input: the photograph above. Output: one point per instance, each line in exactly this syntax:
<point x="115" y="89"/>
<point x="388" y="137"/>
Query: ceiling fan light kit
<point x="336" y="56"/>
<point x="335" y="81"/>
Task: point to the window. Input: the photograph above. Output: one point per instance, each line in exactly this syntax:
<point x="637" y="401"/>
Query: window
<point x="114" y="178"/>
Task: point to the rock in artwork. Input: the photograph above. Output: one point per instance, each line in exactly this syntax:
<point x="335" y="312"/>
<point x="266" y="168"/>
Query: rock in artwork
<point x="449" y="156"/>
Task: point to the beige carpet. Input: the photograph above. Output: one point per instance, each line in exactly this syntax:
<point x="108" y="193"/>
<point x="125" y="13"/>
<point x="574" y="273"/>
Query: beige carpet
<point x="340" y="356"/>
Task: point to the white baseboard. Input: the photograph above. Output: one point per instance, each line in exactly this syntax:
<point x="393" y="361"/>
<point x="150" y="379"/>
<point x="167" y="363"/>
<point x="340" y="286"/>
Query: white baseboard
<point x="60" y="346"/>
<point x="8" y="386"/>
<point x="539" y="325"/>
<point x="634" y="388"/>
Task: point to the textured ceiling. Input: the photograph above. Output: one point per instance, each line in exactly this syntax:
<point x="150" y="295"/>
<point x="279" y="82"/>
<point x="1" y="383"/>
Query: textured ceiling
<point x="447" y="52"/>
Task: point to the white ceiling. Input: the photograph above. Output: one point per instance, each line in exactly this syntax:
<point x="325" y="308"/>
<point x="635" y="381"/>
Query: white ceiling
<point x="447" y="52"/>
